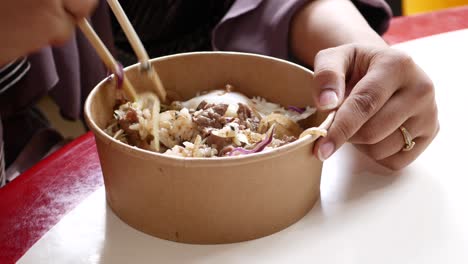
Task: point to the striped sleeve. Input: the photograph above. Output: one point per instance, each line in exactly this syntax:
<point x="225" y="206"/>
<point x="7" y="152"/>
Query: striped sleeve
<point x="2" y="157"/>
<point x="2" y="165"/>
<point x="13" y="72"/>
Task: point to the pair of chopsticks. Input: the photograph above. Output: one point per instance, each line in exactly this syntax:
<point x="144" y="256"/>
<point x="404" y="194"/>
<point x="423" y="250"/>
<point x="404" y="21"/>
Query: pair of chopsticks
<point x="147" y="70"/>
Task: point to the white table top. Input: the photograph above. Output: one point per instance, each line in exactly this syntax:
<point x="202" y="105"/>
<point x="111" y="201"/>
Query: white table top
<point x="366" y="214"/>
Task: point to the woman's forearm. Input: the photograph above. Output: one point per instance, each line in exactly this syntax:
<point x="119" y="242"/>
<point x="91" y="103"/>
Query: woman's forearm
<point x="323" y="24"/>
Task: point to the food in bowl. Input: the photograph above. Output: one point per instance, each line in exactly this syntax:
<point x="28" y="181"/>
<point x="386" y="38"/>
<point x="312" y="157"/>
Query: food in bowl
<point x="216" y="123"/>
<point x="218" y="199"/>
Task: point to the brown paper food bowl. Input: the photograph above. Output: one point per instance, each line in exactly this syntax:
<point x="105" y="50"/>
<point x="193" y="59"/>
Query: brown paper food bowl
<point x="211" y="200"/>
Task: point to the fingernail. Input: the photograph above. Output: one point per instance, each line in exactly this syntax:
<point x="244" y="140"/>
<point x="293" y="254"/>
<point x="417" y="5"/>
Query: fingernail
<point x="328" y="99"/>
<point x="325" y="150"/>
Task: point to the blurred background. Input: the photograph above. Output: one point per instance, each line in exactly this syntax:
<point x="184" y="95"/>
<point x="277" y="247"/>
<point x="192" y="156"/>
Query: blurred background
<point x="410" y="7"/>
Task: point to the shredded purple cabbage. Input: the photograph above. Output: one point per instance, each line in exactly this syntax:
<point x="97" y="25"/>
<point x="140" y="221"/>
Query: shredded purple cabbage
<point x="120" y="76"/>
<point x="296" y="109"/>
<point x="258" y="148"/>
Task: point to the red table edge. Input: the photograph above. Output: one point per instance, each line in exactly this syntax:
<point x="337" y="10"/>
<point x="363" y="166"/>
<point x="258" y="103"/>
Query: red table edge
<point x="401" y="29"/>
<point x="34" y="202"/>
<point x="417" y="26"/>
<point x="53" y="156"/>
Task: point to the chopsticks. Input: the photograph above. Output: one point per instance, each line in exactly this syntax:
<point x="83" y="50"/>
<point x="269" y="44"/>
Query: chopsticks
<point x="138" y="48"/>
<point x="106" y="57"/>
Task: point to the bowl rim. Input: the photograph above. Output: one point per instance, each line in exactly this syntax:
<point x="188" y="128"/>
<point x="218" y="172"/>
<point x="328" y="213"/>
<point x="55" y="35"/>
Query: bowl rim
<point x="202" y="162"/>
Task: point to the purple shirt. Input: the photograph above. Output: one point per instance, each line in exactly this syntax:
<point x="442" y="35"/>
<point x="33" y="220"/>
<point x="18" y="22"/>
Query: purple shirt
<point x="262" y="27"/>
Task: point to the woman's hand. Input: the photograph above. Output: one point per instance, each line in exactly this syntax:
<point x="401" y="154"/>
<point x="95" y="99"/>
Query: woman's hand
<point x="377" y="90"/>
<point x="27" y="25"/>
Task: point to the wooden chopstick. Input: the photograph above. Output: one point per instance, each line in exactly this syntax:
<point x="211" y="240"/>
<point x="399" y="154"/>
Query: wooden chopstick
<point x="137" y="46"/>
<point x="129" y="31"/>
<point x="106" y="56"/>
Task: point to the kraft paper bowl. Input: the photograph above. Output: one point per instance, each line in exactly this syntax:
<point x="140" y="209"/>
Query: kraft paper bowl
<point x="211" y="200"/>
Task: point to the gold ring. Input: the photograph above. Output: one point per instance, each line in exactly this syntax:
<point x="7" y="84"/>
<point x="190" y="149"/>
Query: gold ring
<point x="409" y="143"/>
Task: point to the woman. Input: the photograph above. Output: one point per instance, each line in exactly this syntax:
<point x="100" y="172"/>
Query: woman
<point x="380" y="92"/>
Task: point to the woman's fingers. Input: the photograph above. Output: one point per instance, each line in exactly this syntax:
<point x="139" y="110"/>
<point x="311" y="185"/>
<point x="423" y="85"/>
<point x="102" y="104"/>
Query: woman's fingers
<point x="62" y="32"/>
<point x="412" y="107"/>
<point x="380" y="90"/>
<point x="398" y="109"/>
<point x="403" y="158"/>
<point x="72" y="10"/>
<point x="38" y="23"/>
<point x="79" y="8"/>
<point x="381" y="79"/>
<point x="330" y="75"/>
<point x="392" y="144"/>
<point x="422" y="128"/>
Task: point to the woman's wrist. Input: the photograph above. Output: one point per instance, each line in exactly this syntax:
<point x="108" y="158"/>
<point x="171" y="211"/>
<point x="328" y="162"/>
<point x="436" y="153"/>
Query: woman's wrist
<point x="323" y="24"/>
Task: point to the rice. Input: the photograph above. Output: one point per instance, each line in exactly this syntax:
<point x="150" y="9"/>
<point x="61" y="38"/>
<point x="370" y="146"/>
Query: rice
<point x="217" y="123"/>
